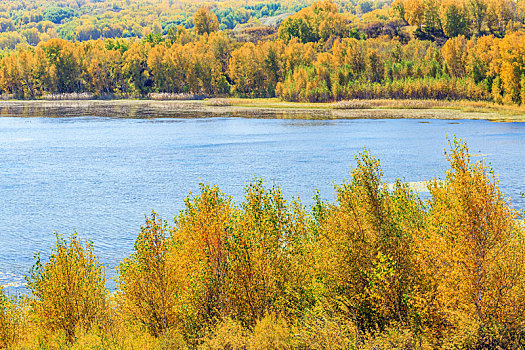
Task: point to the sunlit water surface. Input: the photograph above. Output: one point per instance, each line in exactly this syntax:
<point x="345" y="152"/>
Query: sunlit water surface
<point x="100" y="176"/>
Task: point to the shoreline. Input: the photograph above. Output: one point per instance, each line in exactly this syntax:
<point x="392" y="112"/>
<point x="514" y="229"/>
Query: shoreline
<point x="264" y="108"/>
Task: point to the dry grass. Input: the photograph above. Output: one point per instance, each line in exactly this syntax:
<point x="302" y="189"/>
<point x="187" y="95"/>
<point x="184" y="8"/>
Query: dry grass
<point x="463" y="105"/>
<point x="69" y="96"/>
<point x="353" y="104"/>
<point x="218" y="102"/>
<point x="264" y="108"/>
<point x="471" y="107"/>
<point x="7" y="96"/>
<point x="387" y="103"/>
<point x="165" y="96"/>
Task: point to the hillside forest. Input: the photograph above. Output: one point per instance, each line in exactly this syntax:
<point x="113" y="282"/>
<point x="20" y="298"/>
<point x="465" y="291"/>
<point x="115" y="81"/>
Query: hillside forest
<point x="297" y="51"/>
<point x="377" y="268"/>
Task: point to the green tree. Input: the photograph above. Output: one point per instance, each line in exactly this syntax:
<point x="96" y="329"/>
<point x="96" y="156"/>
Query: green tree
<point x="454" y="19"/>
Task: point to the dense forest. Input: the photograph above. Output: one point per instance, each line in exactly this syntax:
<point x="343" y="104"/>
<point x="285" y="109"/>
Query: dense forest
<point x="378" y="268"/>
<point x="327" y="51"/>
<point x="40" y="20"/>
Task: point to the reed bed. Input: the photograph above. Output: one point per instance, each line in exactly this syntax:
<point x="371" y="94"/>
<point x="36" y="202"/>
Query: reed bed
<point x="218" y="102"/>
<point x="69" y="96"/>
<point x="166" y="96"/>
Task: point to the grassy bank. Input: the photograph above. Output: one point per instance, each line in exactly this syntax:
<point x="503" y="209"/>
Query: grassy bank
<point x="264" y="108"/>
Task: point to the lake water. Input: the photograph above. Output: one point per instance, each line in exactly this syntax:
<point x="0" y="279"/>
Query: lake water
<point x="100" y="176"/>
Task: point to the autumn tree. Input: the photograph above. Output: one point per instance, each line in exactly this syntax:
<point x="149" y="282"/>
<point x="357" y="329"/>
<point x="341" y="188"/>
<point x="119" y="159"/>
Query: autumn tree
<point x="454" y="19"/>
<point x="63" y="66"/>
<point x="201" y="237"/>
<point x="366" y="253"/>
<point x="68" y="292"/>
<point x="499" y="14"/>
<point x="148" y="282"/>
<point x="511" y="65"/>
<point x="473" y="251"/>
<point x="318" y="22"/>
<point x="8" y="320"/>
<point x="269" y="271"/>
<point x="256" y="69"/>
<point x="477" y="10"/>
<point x="135" y="68"/>
<point x="455" y="55"/>
<point x="205" y="21"/>
<point x="413" y="12"/>
<point x="102" y="68"/>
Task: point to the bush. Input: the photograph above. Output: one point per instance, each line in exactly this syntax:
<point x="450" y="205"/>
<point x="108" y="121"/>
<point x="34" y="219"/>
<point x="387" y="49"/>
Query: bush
<point x="68" y="292"/>
<point x="228" y="334"/>
<point x="8" y="320"/>
<point x="147" y="284"/>
<point x="323" y="327"/>
<point x="271" y="333"/>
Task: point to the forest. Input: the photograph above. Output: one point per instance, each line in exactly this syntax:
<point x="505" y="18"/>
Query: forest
<point x="377" y="268"/>
<point x="310" y="52"/>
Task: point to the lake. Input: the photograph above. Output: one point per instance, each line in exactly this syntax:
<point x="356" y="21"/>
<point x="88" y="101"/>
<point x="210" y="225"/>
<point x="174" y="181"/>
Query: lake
<point x="100" y="176"/>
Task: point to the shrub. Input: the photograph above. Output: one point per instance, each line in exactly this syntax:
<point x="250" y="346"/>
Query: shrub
<point x="323" y="327"/>
<point x="148" y="286"/>
<point x="473" y="252"/>
<point x="68" y="292"/>
<point x="270" y="333"/>
<point x="8" y="320"/>
<point x="228" y="334"/>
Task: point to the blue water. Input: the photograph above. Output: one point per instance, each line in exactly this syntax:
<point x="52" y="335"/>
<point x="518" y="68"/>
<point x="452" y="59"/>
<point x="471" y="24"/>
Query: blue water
<point x="100" y="176"/>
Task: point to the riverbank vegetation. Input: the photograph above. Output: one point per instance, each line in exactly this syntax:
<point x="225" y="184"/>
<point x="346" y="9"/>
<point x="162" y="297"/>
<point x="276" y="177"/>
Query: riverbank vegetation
<point x="406" y="49"/>
<point x="265" y="108"/>
<point x="378" y="268"/>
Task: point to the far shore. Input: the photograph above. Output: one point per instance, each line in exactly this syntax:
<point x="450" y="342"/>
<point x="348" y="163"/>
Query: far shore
<point x="264" y="108"/>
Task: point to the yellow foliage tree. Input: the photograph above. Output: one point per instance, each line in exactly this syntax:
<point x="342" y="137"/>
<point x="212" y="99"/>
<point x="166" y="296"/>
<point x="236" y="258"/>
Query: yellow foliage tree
<point x="268" y="265"/>
<point x="473" y="252"/>
<point x="366" y="254"/>
<point x="205" y="21"/>
<point x="200" y="237"/>
<point x="68" y="292"/>
<point x="8" y="321"/>
<point x="455" y="55"/>
<point x="148" y="282"/>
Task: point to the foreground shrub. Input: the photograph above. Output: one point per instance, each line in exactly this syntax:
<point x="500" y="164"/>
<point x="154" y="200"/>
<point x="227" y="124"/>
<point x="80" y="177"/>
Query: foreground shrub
<point x="366" y="250"/>
<point x="8" y="320"/>
<point x="68" y="292"/>
<point x="474" y="253"/>
<point x="395" y="337"/>
<point x="272" y="333"/>
<point x="268" y="261"/>
<point x="148" y="285"/>
<point x="228" y="334"/>
<point x="324" y="327"/>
